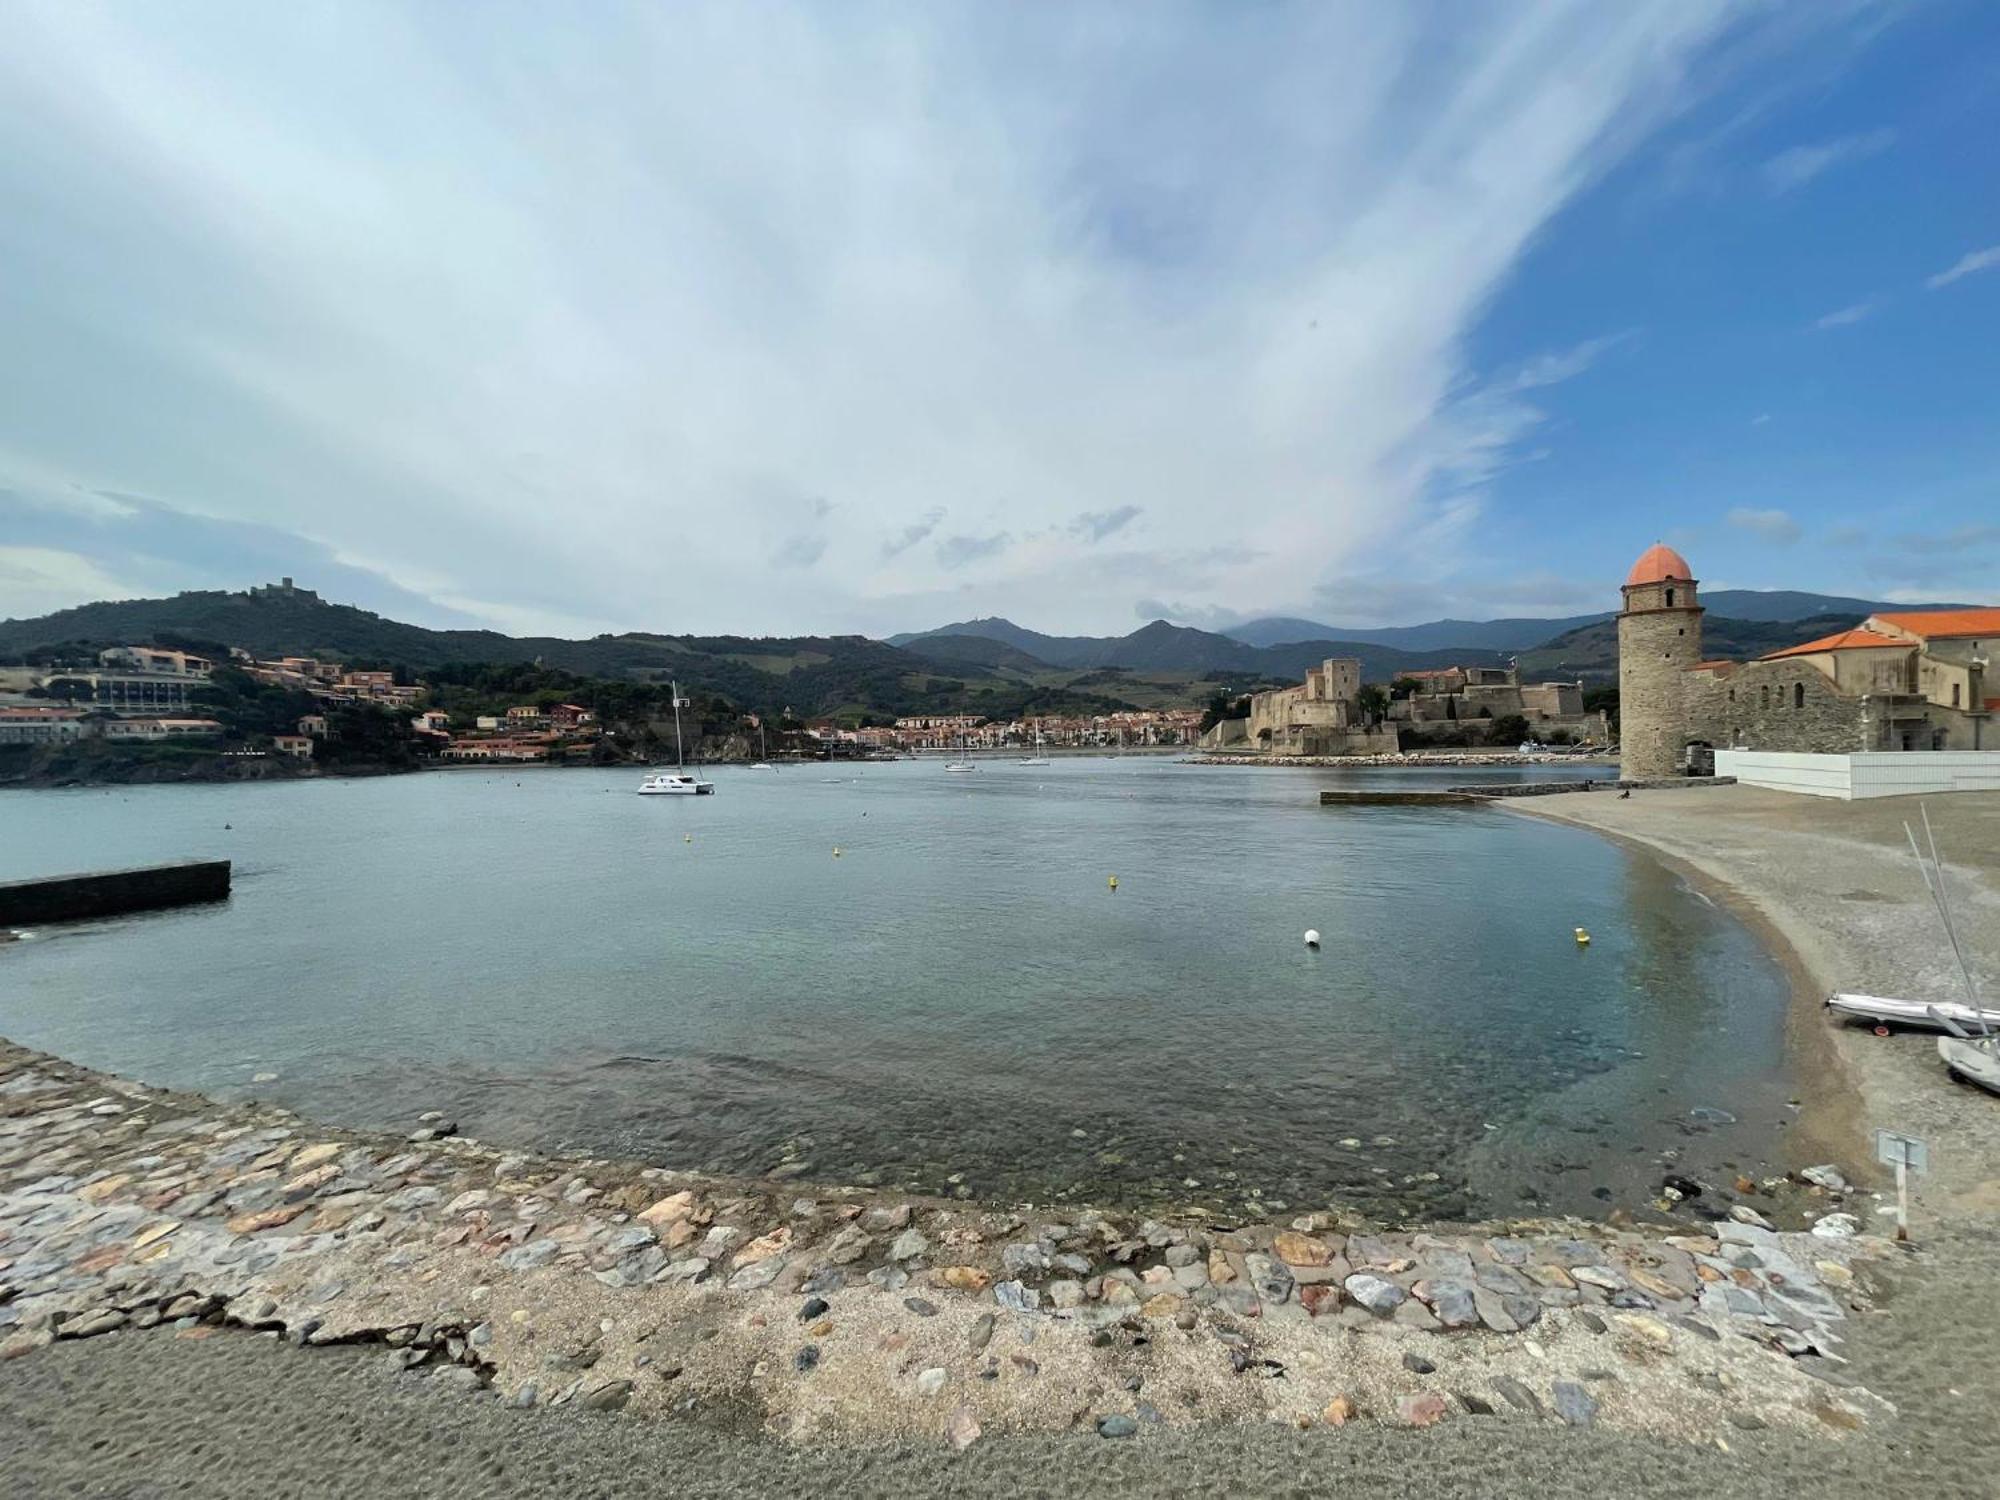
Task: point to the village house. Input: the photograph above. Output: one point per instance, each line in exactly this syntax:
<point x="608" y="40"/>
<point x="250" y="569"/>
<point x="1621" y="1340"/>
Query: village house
<point x="314" y="725"/>
<point x="298" y="745"/>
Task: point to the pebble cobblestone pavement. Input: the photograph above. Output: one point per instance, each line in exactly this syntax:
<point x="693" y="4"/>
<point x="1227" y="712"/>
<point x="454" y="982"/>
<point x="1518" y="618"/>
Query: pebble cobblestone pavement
<point x="763" y="1310"/>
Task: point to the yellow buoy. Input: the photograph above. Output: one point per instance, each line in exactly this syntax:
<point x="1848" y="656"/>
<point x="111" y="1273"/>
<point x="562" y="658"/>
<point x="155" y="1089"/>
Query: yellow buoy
<point x="1113" y="882"/>
<point x="1582" y="938"/>
<point x="687" y="838"/>
<point x="836" y="851"/>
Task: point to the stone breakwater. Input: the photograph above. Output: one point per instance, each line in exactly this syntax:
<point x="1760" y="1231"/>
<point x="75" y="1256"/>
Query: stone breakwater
<point x="822" y="1313"/>
<point x="1416" y="758"/>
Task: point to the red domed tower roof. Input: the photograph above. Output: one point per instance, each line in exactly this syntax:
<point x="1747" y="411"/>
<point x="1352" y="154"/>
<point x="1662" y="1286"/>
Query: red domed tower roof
<point x="1657" y="564"/>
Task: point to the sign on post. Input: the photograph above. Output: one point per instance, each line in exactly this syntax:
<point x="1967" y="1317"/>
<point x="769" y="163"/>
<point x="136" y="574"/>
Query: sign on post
<point x="1906" y="1154"/>
<point x="1893" y="1149"/>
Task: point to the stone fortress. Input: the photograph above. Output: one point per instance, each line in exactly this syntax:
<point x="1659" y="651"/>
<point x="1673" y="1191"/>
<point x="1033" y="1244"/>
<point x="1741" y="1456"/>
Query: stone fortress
<point x="1324" y="717"/>
<point x="1901" y="680"/>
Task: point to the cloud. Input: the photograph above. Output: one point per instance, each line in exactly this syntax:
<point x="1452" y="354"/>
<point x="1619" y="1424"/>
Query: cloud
<point x="657" y="273"/>
<point x="799" y="552"/>
<point x="1096" y="525"/>
<point x="1762" y="419"/>
<point x="1772" y="525"/>
<point x="1970" y="538"/>
<point x="1966" y="265"/>
<point x="1799" y="165"/>
<point x="1842" y="317"/>
<point x="915" y="532"/>
<point x="957" y="551"/>
<point x="38" y="580"/>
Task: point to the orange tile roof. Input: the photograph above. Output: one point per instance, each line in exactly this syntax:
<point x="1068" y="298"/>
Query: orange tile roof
<point x="1845" y="640"/>
<point x="1658" y="563"/>
<point x="1718" y="665"/>
<point x="1945" y="623"/>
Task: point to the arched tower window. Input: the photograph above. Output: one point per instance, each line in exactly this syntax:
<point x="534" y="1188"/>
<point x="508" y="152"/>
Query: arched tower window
<point x="1670" y="598"/>
<point x="1798" y="695"/>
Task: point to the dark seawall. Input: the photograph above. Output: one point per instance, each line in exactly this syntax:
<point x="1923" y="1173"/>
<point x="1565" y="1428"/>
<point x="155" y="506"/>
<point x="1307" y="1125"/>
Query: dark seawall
<point x="106" y="893"/>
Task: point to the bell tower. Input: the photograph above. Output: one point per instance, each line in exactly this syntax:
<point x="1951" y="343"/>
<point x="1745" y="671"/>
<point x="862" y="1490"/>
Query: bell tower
<point x="1659" y="638"/>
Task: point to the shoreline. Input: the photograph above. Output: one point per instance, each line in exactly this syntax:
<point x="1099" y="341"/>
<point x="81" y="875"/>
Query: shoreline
<point x="1830" y="1126"/>
<point x="131" y="1211"/>
<point x="1183" y="1333"/>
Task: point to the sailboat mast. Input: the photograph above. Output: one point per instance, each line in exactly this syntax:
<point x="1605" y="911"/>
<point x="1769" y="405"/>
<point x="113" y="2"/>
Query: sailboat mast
<point x="680" y="758"/>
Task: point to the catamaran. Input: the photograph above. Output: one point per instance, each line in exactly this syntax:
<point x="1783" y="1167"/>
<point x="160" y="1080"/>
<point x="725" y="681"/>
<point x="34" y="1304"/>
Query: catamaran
<point x="677" y="782"/>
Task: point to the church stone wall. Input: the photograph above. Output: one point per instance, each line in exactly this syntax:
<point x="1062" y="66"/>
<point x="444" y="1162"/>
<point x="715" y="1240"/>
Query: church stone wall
<point x="1774" y="705"/>
<point x="1659" y="637"/>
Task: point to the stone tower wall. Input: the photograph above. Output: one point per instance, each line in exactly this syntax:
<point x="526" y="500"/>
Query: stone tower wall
<point x="1657" y="642"/>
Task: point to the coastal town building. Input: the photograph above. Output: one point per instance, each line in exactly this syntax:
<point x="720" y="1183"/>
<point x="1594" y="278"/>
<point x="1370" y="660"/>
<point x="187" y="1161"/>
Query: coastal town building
<point x="137" y="679"/>
<point x="160" y="729"/>
<point x="1901" y="680"/>
<point x="299" y="745"/>
<point x="501" y="748"/>
<point x="33" y="725"/>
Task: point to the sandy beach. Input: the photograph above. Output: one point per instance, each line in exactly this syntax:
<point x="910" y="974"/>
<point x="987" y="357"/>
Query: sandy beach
<point x="1219" y="1350"/>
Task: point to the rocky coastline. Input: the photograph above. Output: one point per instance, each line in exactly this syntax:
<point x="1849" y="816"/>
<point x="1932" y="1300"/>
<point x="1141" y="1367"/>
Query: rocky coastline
<point x="809" y="1313"/>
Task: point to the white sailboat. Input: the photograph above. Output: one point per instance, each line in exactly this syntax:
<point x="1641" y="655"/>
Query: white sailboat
<point x="763" y="751"/>
<point x="1968" y="1056"/>
<point x="678" y="782"/>
<point x="1037" y="759"/>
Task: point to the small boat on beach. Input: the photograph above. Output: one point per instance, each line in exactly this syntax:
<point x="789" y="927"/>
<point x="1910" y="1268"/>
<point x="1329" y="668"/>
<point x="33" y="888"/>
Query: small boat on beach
<point x="1972" y="1060"/>
<point x="1880" y="1010"/>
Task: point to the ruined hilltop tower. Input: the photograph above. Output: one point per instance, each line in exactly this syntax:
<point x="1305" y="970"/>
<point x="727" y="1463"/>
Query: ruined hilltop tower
<point x="1659" y="638"/>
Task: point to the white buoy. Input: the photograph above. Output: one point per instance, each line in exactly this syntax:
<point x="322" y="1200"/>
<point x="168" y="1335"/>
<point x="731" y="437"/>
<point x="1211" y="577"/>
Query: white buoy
<point x="1312" y="937"/>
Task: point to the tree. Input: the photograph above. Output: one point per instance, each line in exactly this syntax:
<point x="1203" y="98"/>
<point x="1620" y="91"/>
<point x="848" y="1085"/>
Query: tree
<point x="1403" y="687"/>
<point x="1508" y="729"/>
<point x="1373" y="701"/>
<point x="1602" y="698"/>
<point x="69" y="689"/>
<point x="1221" y="706"/>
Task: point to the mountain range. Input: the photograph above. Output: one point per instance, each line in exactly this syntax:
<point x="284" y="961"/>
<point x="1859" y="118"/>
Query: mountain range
<point x="989" y="665"/>
<point x="1525" y="633"/>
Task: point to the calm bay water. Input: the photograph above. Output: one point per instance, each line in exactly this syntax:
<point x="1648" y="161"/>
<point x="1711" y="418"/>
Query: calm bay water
<point x="957" y="1002"/>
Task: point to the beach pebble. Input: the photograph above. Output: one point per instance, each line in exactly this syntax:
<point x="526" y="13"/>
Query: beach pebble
<point x="1372" y="1292"/>
<point x="1574" y="1404"/>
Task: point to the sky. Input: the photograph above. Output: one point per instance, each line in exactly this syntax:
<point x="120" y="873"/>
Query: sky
<point x="854" y="318"/>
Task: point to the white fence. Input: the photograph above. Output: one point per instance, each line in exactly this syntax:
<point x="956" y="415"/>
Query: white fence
<point x="1888" y="773"/>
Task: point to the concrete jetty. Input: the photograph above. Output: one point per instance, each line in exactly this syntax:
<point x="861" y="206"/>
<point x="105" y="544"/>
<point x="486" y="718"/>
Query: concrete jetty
<point x="108" y="893"/>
